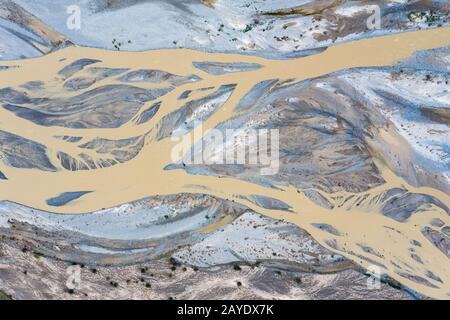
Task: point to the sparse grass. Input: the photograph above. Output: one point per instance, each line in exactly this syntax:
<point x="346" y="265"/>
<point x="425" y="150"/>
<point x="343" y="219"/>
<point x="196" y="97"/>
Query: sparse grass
<point x="425" y="16"/>
<point x="209" y="3"/>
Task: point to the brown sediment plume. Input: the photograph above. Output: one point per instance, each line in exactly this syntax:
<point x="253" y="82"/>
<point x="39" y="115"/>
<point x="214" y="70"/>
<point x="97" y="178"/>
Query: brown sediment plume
<point x="359" y="226"/>
<point x="308" y="9"/>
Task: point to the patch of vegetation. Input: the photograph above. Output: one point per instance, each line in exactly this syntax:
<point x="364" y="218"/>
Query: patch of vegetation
<point x="283" y="38"/>
<point x="252" y="25"/>
<point x="424" y="16"/>
<point x="392" y="283"/>
<point x="144" y="270"/>
<point x="117" y="44"/>
<point x="4" y="296"/>
<point x="428" y="77"/>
